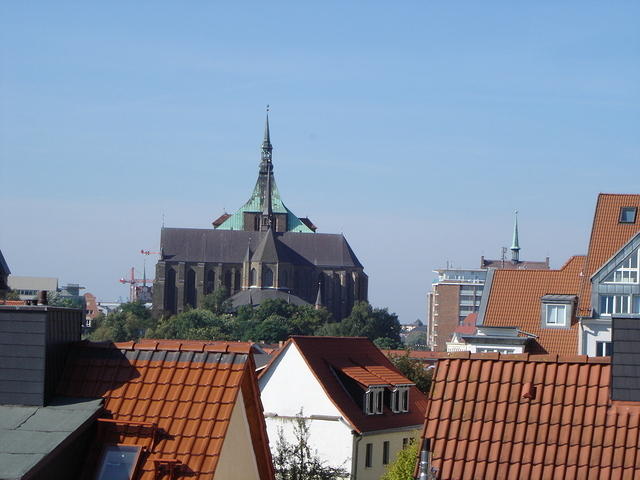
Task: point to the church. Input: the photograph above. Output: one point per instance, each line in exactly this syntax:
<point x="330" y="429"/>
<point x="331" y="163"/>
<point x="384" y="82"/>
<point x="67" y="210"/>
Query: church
<point x="262" y="251"/>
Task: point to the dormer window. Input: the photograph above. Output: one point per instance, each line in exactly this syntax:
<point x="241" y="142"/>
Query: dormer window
<point x="628" y="214"/>
<point x="557" y="310"/>
<point x="556" y="315"/>
<point x="400" y="399"/>
<point x="374" y="400"/>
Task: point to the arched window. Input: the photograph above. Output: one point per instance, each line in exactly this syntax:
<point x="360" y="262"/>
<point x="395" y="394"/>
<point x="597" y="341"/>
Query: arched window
<point x="227" y="281"/>
<point x="267" y="277"/>
<point x="236" y="281"/>
<point x="170" y="291"/>
<point x="190" y="294"/>
<point x="284" y="279"/>
<point x="252" y="277"/>
<point x="209" y="285"/>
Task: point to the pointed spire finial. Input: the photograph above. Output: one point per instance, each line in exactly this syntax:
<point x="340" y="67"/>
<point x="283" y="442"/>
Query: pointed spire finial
<point x="515" y="245"/>
<point x="267" y="148"/>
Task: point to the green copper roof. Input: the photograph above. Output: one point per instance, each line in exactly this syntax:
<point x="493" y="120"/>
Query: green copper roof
<point x="265" y="188"/>
<point x="254" y="205"/>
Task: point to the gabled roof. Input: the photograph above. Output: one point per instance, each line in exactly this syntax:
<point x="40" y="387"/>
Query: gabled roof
<point x="257" y="296"/>
<point x="184" y="390"/>
<point x="522" y="416"/>
<point x="514" y="300"/>
<point x="267" y="250"/>
<point x="608" y="235"/>
<point x="230" y="246"/>
<point x="359" y="359"/>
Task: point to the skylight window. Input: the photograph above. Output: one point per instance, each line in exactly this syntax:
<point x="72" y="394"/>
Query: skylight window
<point x="118" y="461"/>
<point x="628" y="214"/>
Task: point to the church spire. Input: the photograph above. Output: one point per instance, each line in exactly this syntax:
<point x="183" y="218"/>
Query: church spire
<point x="515" y="245"/>
<point x="266" y="171"/>
<point x="267" y="148"/>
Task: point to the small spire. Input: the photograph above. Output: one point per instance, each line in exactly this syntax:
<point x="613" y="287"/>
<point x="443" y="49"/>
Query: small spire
<point x="515" y="246"/>
<point x="267" y="148"/>
<point x="318" y="303"/>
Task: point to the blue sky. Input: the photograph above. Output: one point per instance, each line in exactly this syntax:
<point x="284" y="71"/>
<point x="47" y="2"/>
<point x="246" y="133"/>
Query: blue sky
<point x="414" y="128"/>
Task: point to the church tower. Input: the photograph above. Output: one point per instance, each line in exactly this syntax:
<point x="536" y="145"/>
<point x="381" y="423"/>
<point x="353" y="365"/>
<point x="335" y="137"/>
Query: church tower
<point x="265" y="208"/>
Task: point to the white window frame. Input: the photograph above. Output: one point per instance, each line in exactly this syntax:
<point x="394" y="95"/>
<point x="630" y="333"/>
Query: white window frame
<point x="626" y="273"/>
<point x="614" y="304"/>
<point x="557" y="321"/>
<point x="374" y="400"/>
<point x="400" y="399"/>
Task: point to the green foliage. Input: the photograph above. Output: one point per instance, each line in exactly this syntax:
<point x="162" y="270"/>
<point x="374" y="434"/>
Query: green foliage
<point x="366" y="321"/>
<point x="296" y="461"/>
<point x="385" y="343"/>
<point x="218" y="301"/>
<point x="404" y="464"/>
<point x="414" y="370"/>
<point x="416" y="340"/>
<point x="198" y="324"/>
<point x="9" y="295"/>
<point x="56" y="300"/>
<point x="130" y="322"/>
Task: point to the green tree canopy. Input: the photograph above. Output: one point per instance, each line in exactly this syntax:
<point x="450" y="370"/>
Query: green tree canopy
<point x="130" y="322"/>
<point x="197" y="324"/>
<point x="404" y="464"/>
<point x="366" y="321"/>
<point x="414" y="370"/>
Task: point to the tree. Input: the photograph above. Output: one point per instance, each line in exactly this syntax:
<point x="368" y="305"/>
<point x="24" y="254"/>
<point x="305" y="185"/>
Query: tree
<point x="130" y="322"/>
<point x="217" y="301"/>
<point x="366" y="321"/>
<point x="416" y="340"/>
<point x="414" y="370"/>
<point x="296" y="461"/>
<point x="404" y="464"/>
<point x="197" y="324"/>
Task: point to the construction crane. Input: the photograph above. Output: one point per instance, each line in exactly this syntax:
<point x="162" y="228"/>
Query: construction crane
<point x="134" y="282"/>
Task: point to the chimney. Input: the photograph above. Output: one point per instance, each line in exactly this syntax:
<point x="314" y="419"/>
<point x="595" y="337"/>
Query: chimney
<point x="625" y="361"/>
<point x="34" y="341"/>
<point x="42" y="297"/>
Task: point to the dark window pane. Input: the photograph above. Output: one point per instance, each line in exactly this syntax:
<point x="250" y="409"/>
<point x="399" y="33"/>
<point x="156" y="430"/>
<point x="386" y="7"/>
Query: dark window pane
<point x="628" y="214"/>
<point x="368" y="458"/>
<point x="118" y="462"/>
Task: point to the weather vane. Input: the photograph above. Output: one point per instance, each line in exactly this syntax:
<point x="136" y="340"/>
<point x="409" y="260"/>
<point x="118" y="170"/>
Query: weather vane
<point x="267" y="108"/>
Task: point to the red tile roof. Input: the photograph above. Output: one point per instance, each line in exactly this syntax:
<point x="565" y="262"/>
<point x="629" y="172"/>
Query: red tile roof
<point x="514" y="300"/>
<point x="359" y="359"/>
<point x="184" y="391"/>
<point x="481" y="423"/>
<point x="468" y="325"/>
<point x="607" y="237"/>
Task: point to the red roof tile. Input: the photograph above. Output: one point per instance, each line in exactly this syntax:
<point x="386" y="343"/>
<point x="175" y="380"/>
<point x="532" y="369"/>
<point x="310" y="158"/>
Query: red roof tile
<point x="185" y="389"/>
<point x="360" y="359"/>
<point x="480" y="424"/>
<point x="607" y="237"/>
<point x="514" y="300"/>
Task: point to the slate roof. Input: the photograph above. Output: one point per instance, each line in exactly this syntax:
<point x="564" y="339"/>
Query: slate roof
<point x="30" y="434"/>
<point x="256" y="296"/>
<point x="511" y="265"/>
<point x="480" y="425"/>
<point x="230" y="246"/>
<point x="514" y="300"/>
<point x="186" y="389"/>
<point x="359" y="359"/>
<point x="607" y="237"/>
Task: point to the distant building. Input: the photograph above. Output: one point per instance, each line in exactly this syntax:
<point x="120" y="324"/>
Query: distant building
<point x="262" y="251"/>
<point x="28" y="287"/>
<point x="568" y="311"/>
<point x="457" y="292"/>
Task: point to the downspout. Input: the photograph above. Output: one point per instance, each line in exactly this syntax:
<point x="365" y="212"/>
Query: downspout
<point x="354" y="457"/>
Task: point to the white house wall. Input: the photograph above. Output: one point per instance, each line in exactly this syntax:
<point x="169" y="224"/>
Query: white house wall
<point x="592" y="332"/>
<point x="288" y="387"/>
<point x="237" y="458"/>
<point x="377" y="468"/>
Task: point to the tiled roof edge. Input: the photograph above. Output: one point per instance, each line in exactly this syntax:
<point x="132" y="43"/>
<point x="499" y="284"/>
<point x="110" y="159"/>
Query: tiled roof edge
<point x="526" y="357"/>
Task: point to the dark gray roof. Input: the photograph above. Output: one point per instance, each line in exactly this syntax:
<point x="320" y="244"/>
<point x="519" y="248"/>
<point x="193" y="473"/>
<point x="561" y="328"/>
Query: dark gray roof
<point x="230" y="246"/>
<point x="255" y="296"/>
<point x="29" y="434"/>
<point x="267" y="250"/>
<point x="4" y="268"/>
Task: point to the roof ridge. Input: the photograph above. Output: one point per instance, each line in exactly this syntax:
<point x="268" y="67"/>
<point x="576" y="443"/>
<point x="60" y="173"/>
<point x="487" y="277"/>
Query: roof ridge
<point x="526" y="357"/>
